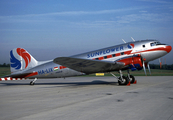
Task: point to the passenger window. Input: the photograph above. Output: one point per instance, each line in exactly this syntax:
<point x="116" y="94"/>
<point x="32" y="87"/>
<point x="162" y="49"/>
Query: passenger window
<point x="122" y="53"/>
<point x="113" y="55"/>
<point x="143" y="46"/>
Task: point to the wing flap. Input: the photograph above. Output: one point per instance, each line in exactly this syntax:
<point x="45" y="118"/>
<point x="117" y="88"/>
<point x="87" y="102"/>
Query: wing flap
<point x="88" y="66"/>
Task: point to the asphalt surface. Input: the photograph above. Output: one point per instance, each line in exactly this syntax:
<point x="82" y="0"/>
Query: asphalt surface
<point x="87" y="98"/>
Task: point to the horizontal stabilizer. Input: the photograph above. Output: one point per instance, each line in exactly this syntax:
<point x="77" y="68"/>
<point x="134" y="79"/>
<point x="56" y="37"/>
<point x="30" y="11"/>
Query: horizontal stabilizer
<point x="88" y="66"/>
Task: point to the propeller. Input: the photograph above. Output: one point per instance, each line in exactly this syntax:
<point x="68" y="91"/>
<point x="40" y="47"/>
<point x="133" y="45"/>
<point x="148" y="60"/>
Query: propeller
<point x="133" y="39"/>
<point x="148" y="65"/>
<point x="123" y="40"/>
<point x="144" y="64"/>
<point x="149" y="68"/>
<point x="144" y="68"/>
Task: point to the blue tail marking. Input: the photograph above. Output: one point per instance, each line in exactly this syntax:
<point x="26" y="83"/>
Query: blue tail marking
<point x="15" y="63"/>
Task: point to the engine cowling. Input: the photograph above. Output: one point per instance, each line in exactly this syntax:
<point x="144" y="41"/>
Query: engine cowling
<point x="134" y="63"/>
<point x="137" y="63"/>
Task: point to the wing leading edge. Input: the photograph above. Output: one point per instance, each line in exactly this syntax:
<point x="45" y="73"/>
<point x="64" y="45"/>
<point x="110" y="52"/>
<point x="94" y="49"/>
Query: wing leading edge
<point x="88" y="66"/>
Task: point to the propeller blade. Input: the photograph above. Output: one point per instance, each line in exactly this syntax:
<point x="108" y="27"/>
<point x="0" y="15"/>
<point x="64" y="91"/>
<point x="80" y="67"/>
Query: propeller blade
<point x="123" y="40"/>
<point x="133" y="39"/>
<point x="144" y="68"/>
<point x="149" y="68"/>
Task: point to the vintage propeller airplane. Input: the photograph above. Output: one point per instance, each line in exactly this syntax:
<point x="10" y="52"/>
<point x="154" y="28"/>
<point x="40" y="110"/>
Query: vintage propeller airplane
<point x="133" y="55"/>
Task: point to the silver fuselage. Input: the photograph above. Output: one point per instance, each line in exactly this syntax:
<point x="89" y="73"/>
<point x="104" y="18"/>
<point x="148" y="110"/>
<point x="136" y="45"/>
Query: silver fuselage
<point x="148" y="49"/>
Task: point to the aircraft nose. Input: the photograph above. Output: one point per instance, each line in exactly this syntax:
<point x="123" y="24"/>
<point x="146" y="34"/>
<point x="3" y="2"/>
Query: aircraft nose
<point x="168" y="48"/>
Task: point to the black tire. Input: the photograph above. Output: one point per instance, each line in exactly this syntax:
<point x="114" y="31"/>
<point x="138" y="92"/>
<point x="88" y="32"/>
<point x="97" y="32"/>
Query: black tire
<point x="132" y="79"/>
<point x="125" y="81"/>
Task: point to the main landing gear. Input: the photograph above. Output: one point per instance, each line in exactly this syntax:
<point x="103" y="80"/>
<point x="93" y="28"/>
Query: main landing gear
<point x="33" y="82"/>
<point x="123" y="80"/>
<point x="131" y="78"/>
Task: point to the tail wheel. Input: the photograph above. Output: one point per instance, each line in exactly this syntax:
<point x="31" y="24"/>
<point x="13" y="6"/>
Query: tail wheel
<point x="123" y="81"/>
<point x="132" y="79"/>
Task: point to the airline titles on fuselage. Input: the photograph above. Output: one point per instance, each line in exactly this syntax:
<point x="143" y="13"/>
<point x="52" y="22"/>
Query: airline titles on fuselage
<point x="109" y="50"/>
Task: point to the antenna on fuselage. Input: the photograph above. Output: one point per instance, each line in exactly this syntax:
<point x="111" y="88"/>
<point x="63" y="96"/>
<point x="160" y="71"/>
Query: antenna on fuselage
<point x="133" y="39"/>
<point x="123" y="40"/>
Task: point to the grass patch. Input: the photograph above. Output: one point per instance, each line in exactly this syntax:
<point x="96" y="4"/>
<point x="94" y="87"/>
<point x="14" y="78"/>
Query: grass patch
<point x="4" y="71"/>
<point x="154" y="72"/>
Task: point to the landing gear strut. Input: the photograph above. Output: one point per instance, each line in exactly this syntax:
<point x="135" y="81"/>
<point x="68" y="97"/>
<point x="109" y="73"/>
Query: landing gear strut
<point x="33" y="82"/>
<point x="130" y="77"/>
<point x="122" y="80"/>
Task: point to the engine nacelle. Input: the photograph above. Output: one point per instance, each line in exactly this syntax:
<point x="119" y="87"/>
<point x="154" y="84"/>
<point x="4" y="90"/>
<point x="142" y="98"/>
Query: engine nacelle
<point x="135" y="62"/>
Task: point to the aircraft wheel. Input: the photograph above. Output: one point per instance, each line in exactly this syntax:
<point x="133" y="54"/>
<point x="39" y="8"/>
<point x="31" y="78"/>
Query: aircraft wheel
<point x="32" y="83"/>
<point x="132" y="79"/>
<point x="124" y="81"/>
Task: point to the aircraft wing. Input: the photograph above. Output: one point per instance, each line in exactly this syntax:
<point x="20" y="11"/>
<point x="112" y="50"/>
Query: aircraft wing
<point x="88" y="66"/>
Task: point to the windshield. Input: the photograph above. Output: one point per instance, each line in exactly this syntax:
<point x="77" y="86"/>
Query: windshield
<point x="156" y="43"/>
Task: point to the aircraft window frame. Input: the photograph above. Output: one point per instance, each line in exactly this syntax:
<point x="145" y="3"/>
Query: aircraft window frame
<point x="158" y="43"/>
<point x="105" y="57"/>
<point x="152" y="44"/>
<point x="113" y="55"/>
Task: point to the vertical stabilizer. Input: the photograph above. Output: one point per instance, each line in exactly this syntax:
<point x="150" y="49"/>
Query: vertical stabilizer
<point x="20" y="60"/>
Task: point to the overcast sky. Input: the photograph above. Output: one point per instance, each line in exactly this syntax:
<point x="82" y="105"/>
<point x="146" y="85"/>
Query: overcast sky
<point x="51" y="28"/>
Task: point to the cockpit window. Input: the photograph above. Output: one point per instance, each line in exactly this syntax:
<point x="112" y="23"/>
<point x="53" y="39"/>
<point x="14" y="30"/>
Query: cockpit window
<point x="152" y="44"/>
<point x="156" y="43"/>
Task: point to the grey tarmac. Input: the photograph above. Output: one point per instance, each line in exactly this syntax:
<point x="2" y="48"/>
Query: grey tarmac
<point x="87" y="98"/>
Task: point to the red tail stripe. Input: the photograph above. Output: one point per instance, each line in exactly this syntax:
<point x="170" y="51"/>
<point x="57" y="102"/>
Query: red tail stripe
<point x="62" y="67"/>
<point x="32" y="74"/>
